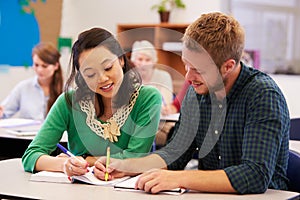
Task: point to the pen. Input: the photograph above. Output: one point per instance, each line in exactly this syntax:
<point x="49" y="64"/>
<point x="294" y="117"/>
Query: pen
<point x="107" y="163"/>
<point x="66" y="151"/>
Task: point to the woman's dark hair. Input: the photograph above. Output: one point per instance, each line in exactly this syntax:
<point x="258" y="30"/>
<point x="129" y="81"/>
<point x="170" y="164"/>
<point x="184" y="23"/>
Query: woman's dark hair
<point x="91" y="39"/>
<point x="49" y="54"/>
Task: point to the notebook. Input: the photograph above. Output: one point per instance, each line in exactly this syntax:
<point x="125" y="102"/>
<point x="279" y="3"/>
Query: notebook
<point x="59" y="177"/>
<point x="17" y="122"/>
<point x="129" y="185"/>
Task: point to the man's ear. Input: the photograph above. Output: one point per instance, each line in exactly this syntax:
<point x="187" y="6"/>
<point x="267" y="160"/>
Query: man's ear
<point x="227" y="66"/>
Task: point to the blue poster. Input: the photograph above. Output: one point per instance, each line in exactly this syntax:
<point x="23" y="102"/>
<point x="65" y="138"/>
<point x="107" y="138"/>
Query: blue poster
<point x="19" y="33"/>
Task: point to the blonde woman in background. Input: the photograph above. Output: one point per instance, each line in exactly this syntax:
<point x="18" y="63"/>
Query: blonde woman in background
<point x="32" y="98"/>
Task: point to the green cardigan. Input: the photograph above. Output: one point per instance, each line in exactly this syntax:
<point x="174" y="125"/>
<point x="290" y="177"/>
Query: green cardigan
<point x="137" y="133"/>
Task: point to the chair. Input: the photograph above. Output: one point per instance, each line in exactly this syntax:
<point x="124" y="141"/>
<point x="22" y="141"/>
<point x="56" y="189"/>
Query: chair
<point x="293" y="171"/>
<point x="295" y="129"/>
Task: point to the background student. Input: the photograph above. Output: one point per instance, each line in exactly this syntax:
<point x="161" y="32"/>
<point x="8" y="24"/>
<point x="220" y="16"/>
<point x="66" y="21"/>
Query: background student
<point x="174" y="106"/>
<point x="144" y="57"/>
<point x="234" y="114"/>
<point x="33" y="98"/>
<point x="108" y="107"/>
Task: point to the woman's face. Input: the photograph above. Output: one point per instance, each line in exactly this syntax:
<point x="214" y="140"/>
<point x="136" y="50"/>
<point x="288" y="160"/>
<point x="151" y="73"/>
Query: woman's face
<point x="102" y="71"/>
<point x="144" y="65"/>
<point x="43" y="70"/>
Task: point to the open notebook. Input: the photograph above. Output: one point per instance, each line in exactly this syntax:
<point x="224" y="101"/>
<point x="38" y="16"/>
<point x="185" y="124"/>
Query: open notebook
<point x="129" y="185"/>
<point x="59" y="177"/>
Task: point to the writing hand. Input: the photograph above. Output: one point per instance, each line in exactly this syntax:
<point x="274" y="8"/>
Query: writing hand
<point x="75" y="166"/>
<point x="100" y="169"/>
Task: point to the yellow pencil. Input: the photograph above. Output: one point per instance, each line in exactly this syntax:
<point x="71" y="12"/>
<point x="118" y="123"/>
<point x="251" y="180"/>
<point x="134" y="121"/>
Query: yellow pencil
<point x="107" y="162"/>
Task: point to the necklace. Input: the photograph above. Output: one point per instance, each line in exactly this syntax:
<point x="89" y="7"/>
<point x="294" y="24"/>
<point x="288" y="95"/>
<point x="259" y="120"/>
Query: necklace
<point x="111" y="129"/>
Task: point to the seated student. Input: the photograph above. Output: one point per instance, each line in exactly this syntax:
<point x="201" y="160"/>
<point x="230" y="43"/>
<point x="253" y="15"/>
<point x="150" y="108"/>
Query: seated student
<point x="33" y="98"/>
<point x="166" y="129"/>
<point x="144" y="57"/>
<point x="108" y="107"/>
<point x="174" y="106"/>
<point x="236" y="115"/>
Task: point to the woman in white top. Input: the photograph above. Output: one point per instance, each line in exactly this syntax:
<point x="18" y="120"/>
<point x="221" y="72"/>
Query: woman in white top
<point x="144" y="57"/>
<point x="33" y="98"/>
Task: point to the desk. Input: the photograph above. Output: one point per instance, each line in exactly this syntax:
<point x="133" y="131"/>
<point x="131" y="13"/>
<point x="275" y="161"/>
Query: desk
<point x="295" y="146"/>
<point x="15" y="182"/>
<point x="12" y="146"/>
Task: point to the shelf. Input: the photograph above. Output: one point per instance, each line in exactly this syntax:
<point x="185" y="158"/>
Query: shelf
<point x="158" y="35"/>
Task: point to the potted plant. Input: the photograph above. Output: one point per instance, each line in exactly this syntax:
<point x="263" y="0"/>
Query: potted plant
<point x="164" y="7"/>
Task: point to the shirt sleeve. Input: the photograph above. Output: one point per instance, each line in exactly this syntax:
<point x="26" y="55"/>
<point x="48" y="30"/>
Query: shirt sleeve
<point x="11" y="103"/>
<point x="181" y="147"/>
<point x="49" y="135"/>
<point x="265" y="133"/>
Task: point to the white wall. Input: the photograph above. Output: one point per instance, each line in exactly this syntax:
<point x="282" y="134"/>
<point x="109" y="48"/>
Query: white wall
<point x="10" y="76"/>
<point x="80" y="15"/>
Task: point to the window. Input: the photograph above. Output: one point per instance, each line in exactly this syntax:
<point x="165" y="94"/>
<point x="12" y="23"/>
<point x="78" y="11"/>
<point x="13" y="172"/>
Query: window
<point x="272" y="28"/>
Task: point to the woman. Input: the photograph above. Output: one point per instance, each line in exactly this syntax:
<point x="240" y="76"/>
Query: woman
<point x="108" y="107"/>
<point x="33" y="98"/>
<point x="144" y="57"/>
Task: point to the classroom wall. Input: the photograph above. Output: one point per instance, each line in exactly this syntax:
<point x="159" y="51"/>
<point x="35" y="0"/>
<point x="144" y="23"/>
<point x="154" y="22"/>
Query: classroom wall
<point x="78" y="15"/>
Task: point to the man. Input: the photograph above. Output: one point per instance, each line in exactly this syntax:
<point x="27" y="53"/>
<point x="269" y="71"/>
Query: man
<point x="235" y="115"/>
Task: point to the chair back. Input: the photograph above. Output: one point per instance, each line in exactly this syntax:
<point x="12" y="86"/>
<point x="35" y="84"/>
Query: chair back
<point x="295" y="129"/>
<point x="293" y="171"/>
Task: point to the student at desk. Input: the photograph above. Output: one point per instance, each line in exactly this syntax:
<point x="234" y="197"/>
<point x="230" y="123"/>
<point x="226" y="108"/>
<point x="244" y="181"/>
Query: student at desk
<point x="108" y="107"/>
<point x="144" y="57"/>
<point x="33" y="98"/>
<point x="234" y="114"/>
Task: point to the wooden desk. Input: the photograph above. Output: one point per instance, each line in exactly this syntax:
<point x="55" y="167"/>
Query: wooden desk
<point x="15" y="182"/>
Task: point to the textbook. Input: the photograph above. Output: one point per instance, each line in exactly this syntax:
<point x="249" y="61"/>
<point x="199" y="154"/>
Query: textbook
<point x="129" y="185"/>
<point x="59" y="177"/>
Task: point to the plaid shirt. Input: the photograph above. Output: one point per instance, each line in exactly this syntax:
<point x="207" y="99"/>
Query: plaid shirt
<point x="246" y="134"/>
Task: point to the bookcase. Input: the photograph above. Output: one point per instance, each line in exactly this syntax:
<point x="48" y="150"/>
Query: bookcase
<point x="166" y="38"/>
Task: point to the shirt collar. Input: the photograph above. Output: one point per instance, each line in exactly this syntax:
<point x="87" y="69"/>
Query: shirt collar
<point x="247" y="73"/>
<point x="35" y="82"/>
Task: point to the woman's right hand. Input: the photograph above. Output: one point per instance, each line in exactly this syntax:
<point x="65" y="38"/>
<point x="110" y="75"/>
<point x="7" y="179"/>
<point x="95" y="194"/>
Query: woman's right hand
<point x="75" y="166"/>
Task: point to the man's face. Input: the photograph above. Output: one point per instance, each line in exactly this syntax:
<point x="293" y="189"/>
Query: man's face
<point x="201" y="71"/>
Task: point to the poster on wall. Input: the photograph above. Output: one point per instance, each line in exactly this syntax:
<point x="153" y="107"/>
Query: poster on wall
<point x="23" y="24"/>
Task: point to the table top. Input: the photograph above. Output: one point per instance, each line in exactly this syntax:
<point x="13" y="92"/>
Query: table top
<point x="295" y="145"/>
<point x="15" y="182"/>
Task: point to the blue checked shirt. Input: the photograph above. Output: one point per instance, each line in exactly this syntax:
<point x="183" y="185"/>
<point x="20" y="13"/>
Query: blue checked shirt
<point x="246" y="134"/>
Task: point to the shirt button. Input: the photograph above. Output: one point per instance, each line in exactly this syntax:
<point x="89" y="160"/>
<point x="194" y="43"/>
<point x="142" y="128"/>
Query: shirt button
<point x="220" y="105"/>
<point x="220" y="157"/>
<point x="216" y="132"/>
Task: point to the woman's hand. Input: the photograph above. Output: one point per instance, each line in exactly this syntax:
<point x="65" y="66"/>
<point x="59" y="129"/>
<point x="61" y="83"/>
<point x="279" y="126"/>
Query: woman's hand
<point x="75" y="166"/>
